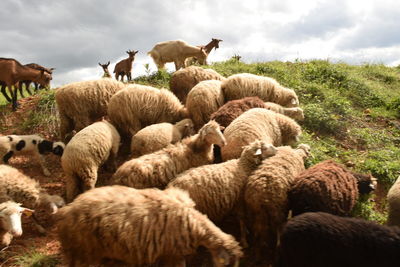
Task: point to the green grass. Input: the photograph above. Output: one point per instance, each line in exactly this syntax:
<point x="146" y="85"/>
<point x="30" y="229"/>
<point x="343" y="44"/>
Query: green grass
<point x="34" y="258"/>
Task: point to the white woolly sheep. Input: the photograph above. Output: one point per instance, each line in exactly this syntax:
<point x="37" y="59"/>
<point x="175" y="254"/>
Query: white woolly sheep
<point x="182" y="81"/>
<point x="82" y="103"/>
<point x="138" y="106"/>
<point x="266" y="198"/>
<point x="176" y="51"/>
<point x="90" y="148"/>
<point x="393" y="198"/>
<point x="245" y="84"/>
<point x="262" y="124"/>
<point x="139" y="227"/>
<point x="33" y="145"/>
<point x="10" y="221"/>
<point x="159" y="168"/>
<point x="217" y="189"/>
<point x="203" y="100"/>
<point x="16" y="186"/>
<point x="157" y="136"/>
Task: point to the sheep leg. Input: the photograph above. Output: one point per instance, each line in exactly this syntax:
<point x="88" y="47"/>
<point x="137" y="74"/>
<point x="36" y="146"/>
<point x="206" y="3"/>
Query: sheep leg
<point x="42" y="161"/>
<point x="81" y="122"/>
<point x="66" y="125"/>
<point x="129" y="76"/>
<point x="89" y="179"/>
<point x="71" y="187"/>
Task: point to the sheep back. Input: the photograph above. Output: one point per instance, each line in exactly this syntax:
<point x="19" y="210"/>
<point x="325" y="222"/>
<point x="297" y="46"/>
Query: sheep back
<point x="182" y="81"/>
<point x="160" y="225"/>
<point x="158" y="136"/>
<point x="138" y="106"/>
<point x="317" y="239"/>
<point x="16" y="186"/>
<point x="82" y="103"/>
<point x="326" y="187"/>
<point x="268" y="89"/>
<point x="262" y="124"/>
<point x="204" y="99"/>
<point x="234" y="108"/>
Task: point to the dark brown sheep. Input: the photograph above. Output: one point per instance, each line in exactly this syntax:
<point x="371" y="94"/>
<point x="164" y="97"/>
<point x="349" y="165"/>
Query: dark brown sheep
<point x="233" y="109"/>
<point x="328" y="187"/>
<point x="12" y="72"/>
<point x="124" y="67"/>
<point x="316" y="239"/>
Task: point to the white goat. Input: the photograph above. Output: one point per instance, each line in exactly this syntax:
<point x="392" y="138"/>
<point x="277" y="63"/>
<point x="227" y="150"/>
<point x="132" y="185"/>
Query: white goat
<point x="176" y="51"/>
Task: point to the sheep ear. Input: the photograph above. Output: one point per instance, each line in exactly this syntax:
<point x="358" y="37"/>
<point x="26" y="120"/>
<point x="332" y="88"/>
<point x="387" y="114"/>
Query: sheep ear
<point x="27" y="212"/>
<point x="258" y="152"/>
<point x="223" y="257"/>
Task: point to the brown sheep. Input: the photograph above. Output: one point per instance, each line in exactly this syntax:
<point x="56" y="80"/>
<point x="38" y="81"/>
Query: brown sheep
<point x="124" y="67"/>
<point x="120" y="225"/>
<point x="328" y="187"/>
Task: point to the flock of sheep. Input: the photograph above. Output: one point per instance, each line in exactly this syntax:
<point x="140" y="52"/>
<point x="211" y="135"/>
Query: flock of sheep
<point x="208" y="163"/>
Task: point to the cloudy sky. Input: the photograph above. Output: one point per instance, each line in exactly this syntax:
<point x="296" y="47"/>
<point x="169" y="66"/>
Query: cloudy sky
<point x="74" y="35"/>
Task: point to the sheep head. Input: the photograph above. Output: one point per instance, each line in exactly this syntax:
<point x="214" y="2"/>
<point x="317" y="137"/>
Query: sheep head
<point x="10" y="217"/>
<point x="211" y="134"/>
<point x="257" y="151"/>
<point x="50" y="203"/>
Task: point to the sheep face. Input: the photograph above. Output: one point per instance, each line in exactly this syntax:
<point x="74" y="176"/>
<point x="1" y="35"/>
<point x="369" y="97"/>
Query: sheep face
<point x="298" y="114"/>
<point x="212" y="134"/>
<point x="366" y="183"/>
<point x="223" y="258"/>
<point x="50" y="203"/>
<point x="10" y="217"/>
<point x="257" y="151"/>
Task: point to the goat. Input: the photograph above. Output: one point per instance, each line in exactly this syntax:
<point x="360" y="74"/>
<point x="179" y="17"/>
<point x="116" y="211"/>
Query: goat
<point x="176" y="51"/>
<point x="105" y="69"/>
<point x="124" y="67"/>
<point x="12" y="72"/>
<point x="207" y="48"/>
<point x="27" y="83"/>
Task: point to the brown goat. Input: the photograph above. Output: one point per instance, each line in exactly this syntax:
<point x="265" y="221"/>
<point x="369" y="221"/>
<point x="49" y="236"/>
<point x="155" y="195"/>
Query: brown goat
<point x="124" y="67"/>
<point x="207" y="48"/>
<point x="12" y="72"/>
<point x="105" y="69"/>
<point x="27" y="83"/>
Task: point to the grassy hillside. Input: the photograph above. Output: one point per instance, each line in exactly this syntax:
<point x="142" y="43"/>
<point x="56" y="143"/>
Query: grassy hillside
<point x="352" y="114"/>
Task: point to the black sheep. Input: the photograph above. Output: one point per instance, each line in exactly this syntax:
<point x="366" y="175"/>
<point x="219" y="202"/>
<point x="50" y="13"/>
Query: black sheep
<point x="324" y="240"/>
